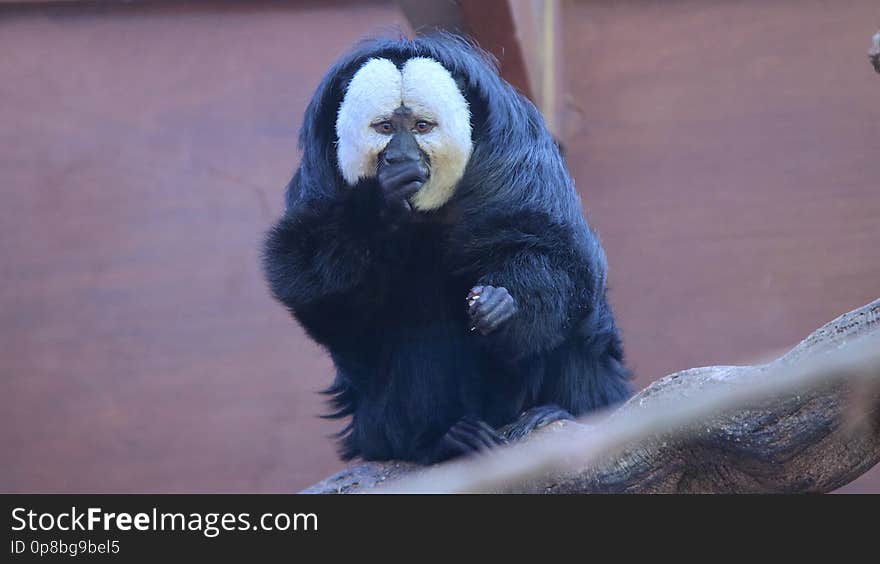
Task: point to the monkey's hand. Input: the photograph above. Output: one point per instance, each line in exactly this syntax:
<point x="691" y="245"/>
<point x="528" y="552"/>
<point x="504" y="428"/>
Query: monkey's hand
<point x="468" y="436"/>
<point x="489" y="307"/>
<point x="398" y="182"/>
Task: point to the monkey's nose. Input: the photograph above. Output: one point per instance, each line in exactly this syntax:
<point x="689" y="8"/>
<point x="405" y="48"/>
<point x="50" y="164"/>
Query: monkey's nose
<point x="391" y="158"/>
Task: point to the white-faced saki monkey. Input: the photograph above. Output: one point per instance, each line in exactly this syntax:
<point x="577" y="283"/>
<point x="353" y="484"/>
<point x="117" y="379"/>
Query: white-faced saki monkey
<point x="433" y="243"/>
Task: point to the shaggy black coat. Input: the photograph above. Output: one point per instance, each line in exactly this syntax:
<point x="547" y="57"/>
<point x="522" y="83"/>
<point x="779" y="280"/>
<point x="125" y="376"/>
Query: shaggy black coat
<point x="388" y="300"/>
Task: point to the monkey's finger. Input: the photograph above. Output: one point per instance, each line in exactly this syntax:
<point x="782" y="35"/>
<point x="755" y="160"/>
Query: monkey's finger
<point x="468" y="425"/>
<point x="461" y="427"/>
<point x="486" y="442"/>
<point x="472" y="439"/>
<point x="492" y="433"/>
<point x="455" y="445"/>
<point x="395" y="179"/>
<point x="400" y="201"/>
<point x="475" y="292"/>
<point x="399" y="207"/>
<point x="482" y="434"/>
<point x="488" y="438"/>
<point x="488" y="298"/>
<point x="398" y="177"/>
<point x="500" y="301"/>
<point x="462" y="438"/>
<point x="402" y="194"/>
<point x="488" y="304"/>
<point x="500" y="314"/>
<point x="487" y="326"/>
<point x="473" y="296"/>
<point x="407" y="190"/>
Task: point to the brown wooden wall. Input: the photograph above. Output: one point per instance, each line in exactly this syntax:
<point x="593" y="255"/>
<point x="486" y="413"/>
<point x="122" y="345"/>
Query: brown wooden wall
<point x="144" y="153"/>
<point x="726" y="151"/>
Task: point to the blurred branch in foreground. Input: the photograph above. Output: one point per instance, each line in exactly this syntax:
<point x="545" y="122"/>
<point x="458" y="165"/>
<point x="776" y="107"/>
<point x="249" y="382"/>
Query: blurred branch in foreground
<point x="806" y="422"/>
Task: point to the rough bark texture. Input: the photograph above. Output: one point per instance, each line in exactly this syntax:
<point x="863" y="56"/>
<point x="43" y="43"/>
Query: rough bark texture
<point x="802" y="443"/>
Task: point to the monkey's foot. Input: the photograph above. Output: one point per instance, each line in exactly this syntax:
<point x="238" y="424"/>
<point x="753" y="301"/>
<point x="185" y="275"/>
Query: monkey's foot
<point x="468" y="436"/>
<point x="532" y="419"/>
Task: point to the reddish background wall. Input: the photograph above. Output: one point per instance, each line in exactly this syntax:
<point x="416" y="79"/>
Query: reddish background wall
<point x="725" y="151"/>
<point x="145" y="152"/>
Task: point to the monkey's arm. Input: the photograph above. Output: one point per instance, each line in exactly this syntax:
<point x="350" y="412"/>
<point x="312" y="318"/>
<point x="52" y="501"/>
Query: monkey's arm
<point x="324" y="261"/>
<point x="541" y="279"/>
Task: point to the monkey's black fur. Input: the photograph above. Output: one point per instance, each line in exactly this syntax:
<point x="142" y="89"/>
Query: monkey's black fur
<point x="387" y="299"/>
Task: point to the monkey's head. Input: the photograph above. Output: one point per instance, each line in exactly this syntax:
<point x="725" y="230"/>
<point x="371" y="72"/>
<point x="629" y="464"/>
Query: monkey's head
<point x="397" y="116"/>
<point x="437" y="100"/>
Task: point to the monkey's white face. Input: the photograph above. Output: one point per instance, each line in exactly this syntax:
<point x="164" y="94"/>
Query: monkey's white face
<point x="429" y="91"/>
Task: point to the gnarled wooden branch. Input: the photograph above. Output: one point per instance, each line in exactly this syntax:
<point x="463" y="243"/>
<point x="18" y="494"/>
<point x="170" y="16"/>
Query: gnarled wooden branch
<point x="806" y="422"/>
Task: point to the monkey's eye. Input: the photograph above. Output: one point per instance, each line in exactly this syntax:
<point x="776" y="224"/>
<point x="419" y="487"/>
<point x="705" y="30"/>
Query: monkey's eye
<point x="384" y="127"/>
<point x="423" y="126"/>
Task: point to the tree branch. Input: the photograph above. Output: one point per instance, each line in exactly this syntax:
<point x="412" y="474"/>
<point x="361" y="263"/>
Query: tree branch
<point x="806" y="422"/>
